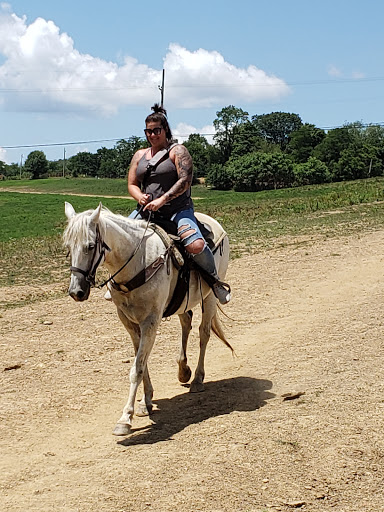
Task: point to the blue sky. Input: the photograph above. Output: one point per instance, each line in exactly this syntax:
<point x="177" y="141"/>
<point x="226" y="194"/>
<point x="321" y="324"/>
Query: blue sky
<point x="80" y="71"/>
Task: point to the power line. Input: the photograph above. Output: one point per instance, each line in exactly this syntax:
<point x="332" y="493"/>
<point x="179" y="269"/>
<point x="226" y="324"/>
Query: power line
<point x="176" y="86"/>
<point x="61" y="143"/>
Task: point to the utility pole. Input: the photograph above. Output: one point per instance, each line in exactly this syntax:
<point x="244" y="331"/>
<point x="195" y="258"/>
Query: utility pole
<point x="161" y="88"/>
<point x="21" y="164"/>
<point x="64" y="165"/>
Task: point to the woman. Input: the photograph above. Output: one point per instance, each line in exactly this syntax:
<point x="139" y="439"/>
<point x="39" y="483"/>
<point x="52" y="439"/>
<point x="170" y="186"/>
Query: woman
<point x="166" y="189"/>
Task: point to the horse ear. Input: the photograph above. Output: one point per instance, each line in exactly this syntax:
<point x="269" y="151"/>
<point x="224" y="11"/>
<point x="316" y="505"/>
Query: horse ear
<point x="69" y="210"/>
<point x="96" y="214"/>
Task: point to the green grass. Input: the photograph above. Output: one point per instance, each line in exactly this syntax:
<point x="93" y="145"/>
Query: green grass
<point x="88" y="186"/>
<point x="31" y="224"/>
<point x="41" y="215"/>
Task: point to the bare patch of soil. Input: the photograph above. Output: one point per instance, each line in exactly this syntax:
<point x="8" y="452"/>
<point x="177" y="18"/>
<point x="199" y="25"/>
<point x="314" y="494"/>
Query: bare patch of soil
<point x="294" y="421"/>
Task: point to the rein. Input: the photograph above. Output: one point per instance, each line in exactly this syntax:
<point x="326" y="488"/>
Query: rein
<point x="131" y="257"/>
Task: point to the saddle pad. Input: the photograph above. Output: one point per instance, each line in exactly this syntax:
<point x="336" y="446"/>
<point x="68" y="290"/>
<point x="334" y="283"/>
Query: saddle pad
<point x="216" y="232"/>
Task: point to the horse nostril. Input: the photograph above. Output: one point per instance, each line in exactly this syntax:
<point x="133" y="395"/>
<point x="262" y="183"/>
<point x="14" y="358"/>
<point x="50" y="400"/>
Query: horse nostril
<point x="78" y="296"/>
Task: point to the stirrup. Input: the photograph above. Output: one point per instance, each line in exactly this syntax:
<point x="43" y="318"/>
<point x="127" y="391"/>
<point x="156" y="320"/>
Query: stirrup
<point x="222" y="291"/>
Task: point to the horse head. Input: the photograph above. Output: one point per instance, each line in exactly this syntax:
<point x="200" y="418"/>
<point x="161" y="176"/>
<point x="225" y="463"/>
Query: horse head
<point x="86" y="248"/>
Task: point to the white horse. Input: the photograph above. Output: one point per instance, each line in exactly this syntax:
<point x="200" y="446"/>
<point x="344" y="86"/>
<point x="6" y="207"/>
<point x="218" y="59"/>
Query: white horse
<point x="144" y="281"/>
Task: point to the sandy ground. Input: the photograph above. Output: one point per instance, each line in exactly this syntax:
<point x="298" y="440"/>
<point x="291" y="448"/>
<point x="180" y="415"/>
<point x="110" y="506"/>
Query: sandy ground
<point x="306" y="320"/>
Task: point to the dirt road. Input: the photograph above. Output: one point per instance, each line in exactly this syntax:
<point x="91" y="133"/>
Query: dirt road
<point x="308" y="323"/>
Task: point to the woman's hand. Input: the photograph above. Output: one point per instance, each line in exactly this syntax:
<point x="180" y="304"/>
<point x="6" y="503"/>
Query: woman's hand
<point x="145" y="198"/>
<point x="154" y="205"/>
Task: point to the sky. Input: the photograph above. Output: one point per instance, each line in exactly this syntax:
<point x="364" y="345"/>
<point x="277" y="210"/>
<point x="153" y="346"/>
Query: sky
<point x="81" y="75"/>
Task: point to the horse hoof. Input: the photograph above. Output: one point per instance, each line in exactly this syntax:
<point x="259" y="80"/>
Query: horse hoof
<point x="196" y="387"/>
<point x="143" y="410"/>
<point x="122" y="429"/>
<point x="184" y="375"/>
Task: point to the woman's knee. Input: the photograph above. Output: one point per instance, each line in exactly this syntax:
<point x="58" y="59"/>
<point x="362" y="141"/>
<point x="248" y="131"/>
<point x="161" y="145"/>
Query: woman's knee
<point x="191" y="239"/>
<point x="196" y="247"/>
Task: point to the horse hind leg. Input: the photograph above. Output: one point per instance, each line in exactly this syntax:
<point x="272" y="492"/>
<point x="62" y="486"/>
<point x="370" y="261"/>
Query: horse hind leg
<point x="145" y="405"/>
<point x="184" y="373"/>
<point x="209" y="311"/>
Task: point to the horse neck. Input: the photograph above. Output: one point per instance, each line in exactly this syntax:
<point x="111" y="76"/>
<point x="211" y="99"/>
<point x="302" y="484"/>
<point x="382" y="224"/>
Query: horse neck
<point x="124" y="237"/>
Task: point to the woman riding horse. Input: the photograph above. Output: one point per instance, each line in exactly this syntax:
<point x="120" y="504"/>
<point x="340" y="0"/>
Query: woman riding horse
<point x="164" y="187"/>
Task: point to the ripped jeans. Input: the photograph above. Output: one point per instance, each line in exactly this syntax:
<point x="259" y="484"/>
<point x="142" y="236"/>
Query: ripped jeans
<point x="185" y="220"/>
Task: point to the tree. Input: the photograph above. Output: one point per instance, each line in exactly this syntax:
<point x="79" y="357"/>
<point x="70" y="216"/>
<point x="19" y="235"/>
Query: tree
<point x="374" y="135"/>
<point x="246" y="140"/>
<point x="83" y="164"/>
<point x="303" y="141"/>
<point x="108" y="169"/>
<point x="37" y="164"/>
<point x="331" y="147"/>
<point x="226" y="125"/>
<point x="107" y="163"/>
<point x="260" y="171"/>
<point x="125" y="149"/>
<point x="311" y="172"/>
<point x="277" y="127"/>
<point x="218" y="177"/>
<point x="358" y="162"/>
<point x="198" y="147"/>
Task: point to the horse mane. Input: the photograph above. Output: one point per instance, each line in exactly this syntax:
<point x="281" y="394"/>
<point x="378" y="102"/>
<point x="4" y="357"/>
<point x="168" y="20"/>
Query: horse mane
<point x="77" y="231"/>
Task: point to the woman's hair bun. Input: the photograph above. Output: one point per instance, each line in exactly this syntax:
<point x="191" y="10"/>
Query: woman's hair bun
<point x="158" y="109"/>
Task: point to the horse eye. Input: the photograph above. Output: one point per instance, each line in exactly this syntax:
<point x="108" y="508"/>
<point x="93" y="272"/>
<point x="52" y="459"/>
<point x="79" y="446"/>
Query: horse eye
<point x="91" y="247"/>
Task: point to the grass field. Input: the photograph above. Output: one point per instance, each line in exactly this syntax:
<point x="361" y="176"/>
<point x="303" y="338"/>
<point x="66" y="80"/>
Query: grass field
<point x="90" y="186"/>
<point x="32" y="223"/>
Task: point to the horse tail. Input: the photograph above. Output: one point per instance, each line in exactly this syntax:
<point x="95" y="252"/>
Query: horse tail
<point x="217" y="329"/>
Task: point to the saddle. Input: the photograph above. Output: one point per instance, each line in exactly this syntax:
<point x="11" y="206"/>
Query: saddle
<point x="182" y="260"/>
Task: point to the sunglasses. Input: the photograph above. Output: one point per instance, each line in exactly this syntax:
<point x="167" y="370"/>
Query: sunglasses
<point x="155" y="131"/>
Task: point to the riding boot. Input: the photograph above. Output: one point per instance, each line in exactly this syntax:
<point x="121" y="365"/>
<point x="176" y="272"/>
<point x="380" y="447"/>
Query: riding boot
<point x="207" y="268"/>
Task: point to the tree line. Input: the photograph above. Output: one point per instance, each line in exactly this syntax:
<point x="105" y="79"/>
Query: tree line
<point x="248" y="153"/>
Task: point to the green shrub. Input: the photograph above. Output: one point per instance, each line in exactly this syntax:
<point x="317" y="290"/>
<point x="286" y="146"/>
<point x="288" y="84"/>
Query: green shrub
<point x="311" y="172"/>
<point x="260" y="171"/>
<point x="218" y="177"/>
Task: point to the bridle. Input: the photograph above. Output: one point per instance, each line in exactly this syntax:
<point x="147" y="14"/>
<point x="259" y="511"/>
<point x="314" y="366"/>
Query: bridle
<point x="100" y="247"/>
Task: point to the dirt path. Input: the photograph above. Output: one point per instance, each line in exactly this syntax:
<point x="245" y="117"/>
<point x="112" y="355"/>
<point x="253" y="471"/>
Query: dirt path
<point x="309" y="321"/>
<point x="26" y="190"/>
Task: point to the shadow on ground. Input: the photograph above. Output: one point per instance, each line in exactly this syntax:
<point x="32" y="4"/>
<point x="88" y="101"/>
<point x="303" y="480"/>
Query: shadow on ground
<point x="219" y="398"/>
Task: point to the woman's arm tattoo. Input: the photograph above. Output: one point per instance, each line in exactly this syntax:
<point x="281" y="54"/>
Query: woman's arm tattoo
<point x="184" y="166"/>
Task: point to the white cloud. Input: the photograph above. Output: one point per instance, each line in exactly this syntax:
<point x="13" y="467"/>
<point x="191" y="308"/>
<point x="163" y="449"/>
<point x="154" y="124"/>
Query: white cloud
<point x="3" y="155"/>
<point x="337" y="73"/>
<point x="42" y="71"/>
<point x="205" y="79"/>
<point x="183" y="131"/>
<point x="334" y="71"/>
<point x="358" y="75"/>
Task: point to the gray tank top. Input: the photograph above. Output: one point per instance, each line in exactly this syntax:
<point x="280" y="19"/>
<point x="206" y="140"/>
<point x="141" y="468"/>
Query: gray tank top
<point x="160" y="180"/>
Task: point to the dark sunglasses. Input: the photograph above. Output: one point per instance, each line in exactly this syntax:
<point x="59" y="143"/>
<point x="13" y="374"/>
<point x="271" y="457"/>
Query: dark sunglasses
<point x="155" y="131"/>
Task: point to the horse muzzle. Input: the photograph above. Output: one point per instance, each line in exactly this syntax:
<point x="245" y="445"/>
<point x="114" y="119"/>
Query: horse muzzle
<point x="79" y="289"/>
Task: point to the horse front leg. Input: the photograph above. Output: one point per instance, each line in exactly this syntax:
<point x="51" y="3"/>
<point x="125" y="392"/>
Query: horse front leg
<point x="139" y="372"/>
<point x="210" y="309"/>
<point x="185" y="372"/>
<point x="145" y="405"/>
